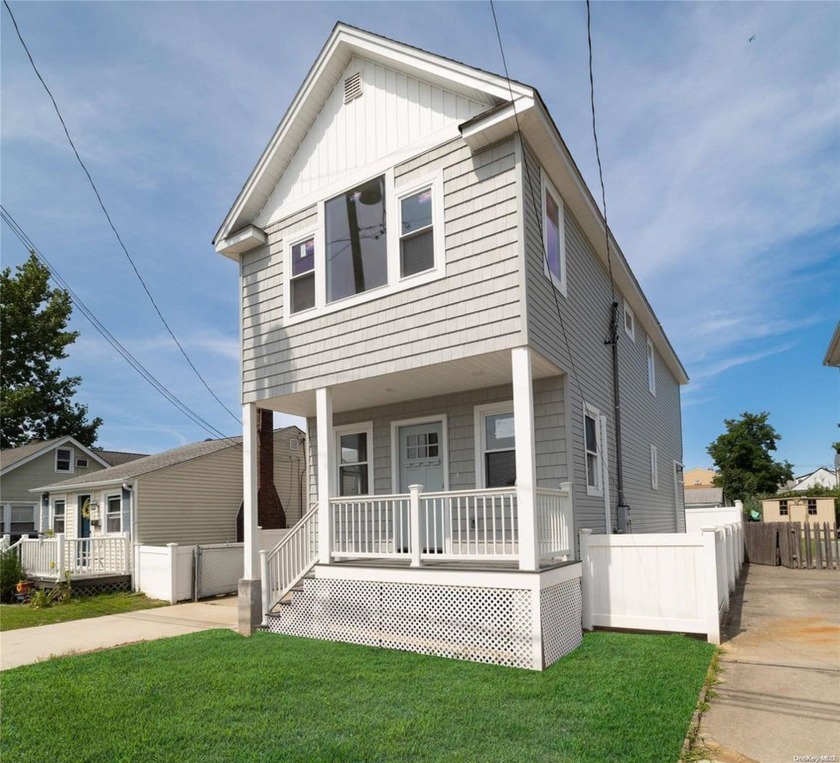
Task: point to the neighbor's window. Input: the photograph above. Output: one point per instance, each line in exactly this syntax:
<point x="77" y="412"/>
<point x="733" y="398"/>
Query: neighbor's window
<point x="592" y="449"/>
<point x="22" y="519"/>
<point x="113" y="515"/>
<point x="353" y="463"/>
<point x="498" y="444"/>
<point x="417" y="240"/>
<point x="783" y="508"/>
<point x="554" y="236"/>
<point x="356" y="244"/>
<point x="81" y="463"/>
<point x="629" y="322"/>
<point x="812" y="507"/>
<point x="63" y="460"/>
<point x="651" y="368"/>
<point x="302" y="282"/>
<point x="59" y="514"/>
<point x="654" y="467"/>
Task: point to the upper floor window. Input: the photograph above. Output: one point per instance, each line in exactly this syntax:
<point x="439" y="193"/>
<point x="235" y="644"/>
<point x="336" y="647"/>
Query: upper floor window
<point x="63" y="460"/>
<point x="302" y="280"/>
<point x="356" y="242"/>
<point x="417" y="243"/>
<point x="554" y="236"/>
<point x="654" y="467"/>
<point x="629" y="322"/>
<point x="651" y="368"/>
<point x="82" y="463"/>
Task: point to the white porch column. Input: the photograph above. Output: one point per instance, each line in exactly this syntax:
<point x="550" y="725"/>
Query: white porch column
<point x="249" y="491"/>
<point x="526" y="473"/>
<point x="326" y="465"/>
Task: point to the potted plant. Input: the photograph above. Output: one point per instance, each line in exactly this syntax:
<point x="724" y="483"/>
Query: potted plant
<point x="23" y="587"/>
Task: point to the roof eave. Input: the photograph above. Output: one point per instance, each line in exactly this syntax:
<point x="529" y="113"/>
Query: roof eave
<point x="832" y="354"/>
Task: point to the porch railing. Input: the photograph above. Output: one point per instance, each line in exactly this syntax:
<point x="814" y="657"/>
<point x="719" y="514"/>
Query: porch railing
<point x="555" y="532"/>
<point x="374" y="526"/>
<point x="81" y="557"/>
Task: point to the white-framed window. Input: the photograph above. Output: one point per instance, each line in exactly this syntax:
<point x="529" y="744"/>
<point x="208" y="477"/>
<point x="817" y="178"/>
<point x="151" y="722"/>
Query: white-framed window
<point x="354" y="459"/>
<point x="113" y="514"/>
<point x="64" y="460"/>
<point x="592" y="447"/>
<point x="82" y="463"/>
<point x="651" y="368"/>
<point x="300" y="262"/>
<point x="629" y="321"/>
<point x="21" y="519"/>
<point x="783" y="508"/>
<point x="495" y="445"/>
<point x="654" y="467"/>
<point x="554" y="235"/>
<point x="59" y="516"/>
<point x="368" y="238"/>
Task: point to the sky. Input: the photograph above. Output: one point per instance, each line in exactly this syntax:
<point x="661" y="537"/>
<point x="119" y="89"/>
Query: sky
<point x="721" y="161"/>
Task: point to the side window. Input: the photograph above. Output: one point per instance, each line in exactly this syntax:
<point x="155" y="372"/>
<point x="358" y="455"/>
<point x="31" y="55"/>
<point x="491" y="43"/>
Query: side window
<point x="302" y="275"/>
<point x="654" y="468"/>
<point x="417" y="239"/>
<point x="495" y="445"/>
<point x="629" y="321"/>
<point x="113" y="516"/>
<point x="355" y="453"/>
<point x="59" y="515"/>
<point x="592" y="450"/>
<point x="651" y="368"/>
<point x="554" y="235"/>
<point x="63" y="460"/>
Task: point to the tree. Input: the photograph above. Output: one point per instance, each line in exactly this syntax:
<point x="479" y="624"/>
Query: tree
<point x="35" y="401"/>
<point x="742" y="458"/>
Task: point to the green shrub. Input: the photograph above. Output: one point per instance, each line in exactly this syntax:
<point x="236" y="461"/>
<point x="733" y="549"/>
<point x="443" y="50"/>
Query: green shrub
<point x="10" y="573"/>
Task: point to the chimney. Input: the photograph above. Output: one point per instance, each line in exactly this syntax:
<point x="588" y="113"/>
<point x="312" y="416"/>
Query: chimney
<point x="270" y="514"/>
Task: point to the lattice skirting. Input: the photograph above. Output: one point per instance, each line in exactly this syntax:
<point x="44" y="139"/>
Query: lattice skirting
<point x="92" y="587"/>
<point x="560" y="616"/>
<point x="491" y="625"/>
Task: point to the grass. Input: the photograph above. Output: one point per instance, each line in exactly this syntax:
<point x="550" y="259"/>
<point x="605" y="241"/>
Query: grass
<point x="215" y="696"/>
<point x="13" y="616"/>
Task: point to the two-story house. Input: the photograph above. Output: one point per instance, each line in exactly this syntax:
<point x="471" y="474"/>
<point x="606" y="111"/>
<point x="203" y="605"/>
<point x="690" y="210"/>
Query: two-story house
<point x="424" y="276"/>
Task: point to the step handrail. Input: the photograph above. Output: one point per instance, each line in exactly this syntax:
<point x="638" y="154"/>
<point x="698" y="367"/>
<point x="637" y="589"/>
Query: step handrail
<point x="284" y="566"/>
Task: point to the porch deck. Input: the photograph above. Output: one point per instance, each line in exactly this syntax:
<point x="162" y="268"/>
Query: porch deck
<point x="83" y="559"/>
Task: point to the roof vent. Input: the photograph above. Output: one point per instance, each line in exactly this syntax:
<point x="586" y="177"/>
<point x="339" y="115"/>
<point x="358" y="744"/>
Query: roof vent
<point x="352" y="87"/>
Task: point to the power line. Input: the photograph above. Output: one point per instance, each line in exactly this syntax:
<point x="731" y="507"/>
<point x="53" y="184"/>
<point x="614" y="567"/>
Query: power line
<point x="111" y="222"/>
<point x="108" y="336"/>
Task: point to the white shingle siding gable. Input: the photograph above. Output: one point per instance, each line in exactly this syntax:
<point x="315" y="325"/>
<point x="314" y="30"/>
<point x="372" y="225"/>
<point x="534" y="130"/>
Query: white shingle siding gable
<point x="474" y="309"/>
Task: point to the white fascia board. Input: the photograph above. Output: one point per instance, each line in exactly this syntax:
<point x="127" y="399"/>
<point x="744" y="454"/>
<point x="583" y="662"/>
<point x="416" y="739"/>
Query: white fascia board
<point x="242" y="241"/>
<point x="501" y="123"/>
<point x="343" y="43"/>
<point x="58" y="444"/>
<point x="540" y="131"/>
<point x="832" y="354"/>
<point x="60" y="487"/>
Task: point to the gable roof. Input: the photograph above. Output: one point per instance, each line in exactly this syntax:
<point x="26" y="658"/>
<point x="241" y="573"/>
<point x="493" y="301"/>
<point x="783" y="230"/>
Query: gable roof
<point x="512" y="106"/>
<point x="12" y="458"/>
<point x="142" y="466"/>
<point x="116" y="457"/>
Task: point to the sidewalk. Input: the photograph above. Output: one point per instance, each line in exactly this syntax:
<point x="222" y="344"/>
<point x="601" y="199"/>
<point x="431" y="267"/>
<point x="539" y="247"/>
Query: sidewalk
<point x="779" y="696"/>
<point x="27" y="645"/>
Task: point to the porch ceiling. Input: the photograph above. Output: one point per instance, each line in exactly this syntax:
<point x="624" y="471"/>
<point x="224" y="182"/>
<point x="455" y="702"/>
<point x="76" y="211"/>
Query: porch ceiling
<point x="474" y="372"/>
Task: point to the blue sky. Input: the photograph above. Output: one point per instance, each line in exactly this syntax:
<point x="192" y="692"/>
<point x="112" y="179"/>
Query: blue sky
<point x="721" y="161"/>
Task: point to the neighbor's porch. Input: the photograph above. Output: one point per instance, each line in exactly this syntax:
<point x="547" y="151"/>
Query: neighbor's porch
<point x="83" y="559"/>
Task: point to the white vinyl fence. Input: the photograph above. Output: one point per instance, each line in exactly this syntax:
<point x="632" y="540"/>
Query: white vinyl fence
<point x="661" y="582"/>
<point x="697" y="519"/>
<point x="165" y="572"/>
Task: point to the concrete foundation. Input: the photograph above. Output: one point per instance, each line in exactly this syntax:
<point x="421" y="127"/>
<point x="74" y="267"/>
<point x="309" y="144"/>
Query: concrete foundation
<point x="250" y="606"/>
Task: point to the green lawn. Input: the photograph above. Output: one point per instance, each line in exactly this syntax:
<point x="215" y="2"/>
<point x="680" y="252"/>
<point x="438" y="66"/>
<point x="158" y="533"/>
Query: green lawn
<point x="14" y="616"/>
<point x="215" y="696"/>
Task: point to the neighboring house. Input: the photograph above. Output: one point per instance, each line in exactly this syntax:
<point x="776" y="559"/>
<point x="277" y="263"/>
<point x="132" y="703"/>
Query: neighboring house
<point x="37" y="463"/>
<point x="703" y="497"/>
<point x="187" y="495"/>
<point x="431" y="290"/>
<point x="799" y="509"/>
<point x="819" y="478"/>
<point x="832" y="353"/>
<point x="699" y="478"/>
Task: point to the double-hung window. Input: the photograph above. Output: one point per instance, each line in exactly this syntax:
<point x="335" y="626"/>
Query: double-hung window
<point x="593" y="451"/>
<point x="113" y="514"/>
<point x="554" y="236"/>
<point x="59" y="515"/>
<point x="354" y="459"/>
<point x="496" y="445"/>
<point x="302" y="276"/>
<point x="651" y="368"/>
<point x="417" y="235"/>
<point x="63" y="460"/>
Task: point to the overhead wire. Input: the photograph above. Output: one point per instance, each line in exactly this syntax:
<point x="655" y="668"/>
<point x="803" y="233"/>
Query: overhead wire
<point x="111" y="222"/>
<point x="196" y="418"/>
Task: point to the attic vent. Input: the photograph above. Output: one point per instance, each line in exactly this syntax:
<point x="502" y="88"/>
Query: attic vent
<point x="294" y="444"/>
<point x="352" y="87"/>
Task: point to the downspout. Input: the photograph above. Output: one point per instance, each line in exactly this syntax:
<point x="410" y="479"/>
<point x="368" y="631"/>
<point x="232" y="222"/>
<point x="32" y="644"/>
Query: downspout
<point x="129" y="495"/>
<point x="623" y="510"/>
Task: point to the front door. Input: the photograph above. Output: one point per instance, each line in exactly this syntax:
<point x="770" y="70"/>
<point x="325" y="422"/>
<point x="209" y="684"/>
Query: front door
<point x="421" y="462"/>
<point x="83" y="530"/>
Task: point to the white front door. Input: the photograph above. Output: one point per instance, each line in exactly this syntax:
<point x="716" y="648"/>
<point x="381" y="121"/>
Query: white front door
<point x="421" y="461"/>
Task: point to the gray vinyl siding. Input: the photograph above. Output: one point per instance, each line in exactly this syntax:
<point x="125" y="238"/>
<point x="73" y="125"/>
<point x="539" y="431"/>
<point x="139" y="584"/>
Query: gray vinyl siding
<point x="197" y="501"/>
<point x="473" y="309"/>
<point x="580" y="350"/>
<point x="549" y="433"/>
<point x="15" y="486"/>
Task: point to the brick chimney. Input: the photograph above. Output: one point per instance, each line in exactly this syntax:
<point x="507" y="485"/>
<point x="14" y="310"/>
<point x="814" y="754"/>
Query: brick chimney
<point x="270" y="514"/>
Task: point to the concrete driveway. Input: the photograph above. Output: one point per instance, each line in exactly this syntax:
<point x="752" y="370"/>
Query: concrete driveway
<point x="779" y="700"/>
<point x="27" y="645"/>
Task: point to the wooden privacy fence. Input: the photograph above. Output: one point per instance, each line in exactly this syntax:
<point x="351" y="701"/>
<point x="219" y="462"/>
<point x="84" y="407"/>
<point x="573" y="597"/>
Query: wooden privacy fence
<point x="795" y="545"/>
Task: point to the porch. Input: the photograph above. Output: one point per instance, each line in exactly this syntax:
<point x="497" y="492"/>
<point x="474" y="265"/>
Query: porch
<point x="84" y="559"/>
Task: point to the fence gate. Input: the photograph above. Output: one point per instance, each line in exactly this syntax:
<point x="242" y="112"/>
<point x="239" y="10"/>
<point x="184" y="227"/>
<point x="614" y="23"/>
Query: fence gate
<point x="218" y="568"/>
